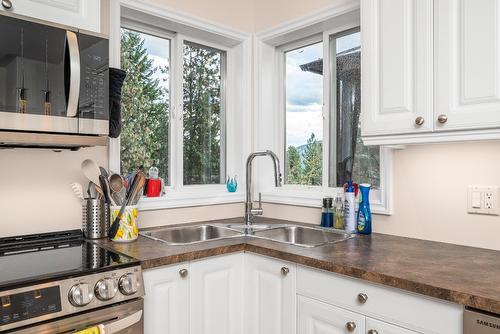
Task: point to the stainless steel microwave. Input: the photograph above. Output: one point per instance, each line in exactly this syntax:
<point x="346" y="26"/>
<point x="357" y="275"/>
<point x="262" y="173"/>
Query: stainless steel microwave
<point x="53" y="79"/>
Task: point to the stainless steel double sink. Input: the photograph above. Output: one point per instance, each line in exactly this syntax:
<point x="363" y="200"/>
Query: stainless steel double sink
<point x="289" y="234"/>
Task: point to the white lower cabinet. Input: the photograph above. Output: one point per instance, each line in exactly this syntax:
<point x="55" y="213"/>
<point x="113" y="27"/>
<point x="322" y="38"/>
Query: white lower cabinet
<point x="166" y="305"/>
<point x="244" y="293"/>
<point x="378" y="327"/>
<point x="216" y="295"/>
<point x="315" y="317"/>
<point x="269" y="295"/>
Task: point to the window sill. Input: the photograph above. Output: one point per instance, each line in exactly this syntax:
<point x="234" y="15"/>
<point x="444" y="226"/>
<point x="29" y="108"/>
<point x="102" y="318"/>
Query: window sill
<point x="313" y="198"/>
<point x="183" y="199"/>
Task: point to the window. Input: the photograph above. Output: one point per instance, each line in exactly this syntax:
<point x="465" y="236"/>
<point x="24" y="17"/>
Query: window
<point x="321" y="107"/>
<point x="203" y="114"/>
<point x="145" y="102"/>
<point x="304" y="115"/>
<point x="353" y="159"/>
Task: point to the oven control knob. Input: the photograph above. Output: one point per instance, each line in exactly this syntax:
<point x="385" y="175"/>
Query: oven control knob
<point x="128" y="284"/>
<point x="106" y="288"/>
<point x="80" y="294"/>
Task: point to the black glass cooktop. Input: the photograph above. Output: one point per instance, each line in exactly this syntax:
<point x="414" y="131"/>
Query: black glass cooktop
<point x="37" y="258"/>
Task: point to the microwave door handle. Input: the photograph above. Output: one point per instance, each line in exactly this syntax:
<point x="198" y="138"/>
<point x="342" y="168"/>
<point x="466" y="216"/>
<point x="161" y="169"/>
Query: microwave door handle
<point x="121" y="324"/>
<point x="74" y="81"/>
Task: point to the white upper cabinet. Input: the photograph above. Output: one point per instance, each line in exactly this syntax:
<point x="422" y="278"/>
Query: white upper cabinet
<point x="467" y="64"/>
<point x="396" y="66"/>
<point x="431" y="71"/>
<point x="82" y="14"/>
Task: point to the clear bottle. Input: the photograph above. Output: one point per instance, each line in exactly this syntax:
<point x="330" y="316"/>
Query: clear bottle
<point x="338" y="213"/>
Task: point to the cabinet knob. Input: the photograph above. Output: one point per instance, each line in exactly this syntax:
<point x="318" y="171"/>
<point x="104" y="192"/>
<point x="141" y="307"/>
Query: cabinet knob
<point x="285" y="271"/>
<point x="419" y="121"/>
<point x="442" y="118"/>
<point x="362" y="298"/>
<point x="183" y="273"/>
<point x="7" y="4"/>
<point x="351" y="326"/>
<point x="372" y="331"/>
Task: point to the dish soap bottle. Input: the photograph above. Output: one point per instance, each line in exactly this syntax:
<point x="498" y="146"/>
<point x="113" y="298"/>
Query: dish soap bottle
<point x="327" y="212"/>
<point x="338" y="213"/>
<point x="364" y="220"/>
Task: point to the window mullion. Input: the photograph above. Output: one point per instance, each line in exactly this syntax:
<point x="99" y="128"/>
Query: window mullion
<point x="328" y="87"/>
<point x="177" y="161"/>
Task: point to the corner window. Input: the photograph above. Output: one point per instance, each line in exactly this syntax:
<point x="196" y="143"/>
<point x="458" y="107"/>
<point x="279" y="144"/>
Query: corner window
<point x="144" y="140"/>
<point x="322" y="141"/>
<point x="203" y="114"/>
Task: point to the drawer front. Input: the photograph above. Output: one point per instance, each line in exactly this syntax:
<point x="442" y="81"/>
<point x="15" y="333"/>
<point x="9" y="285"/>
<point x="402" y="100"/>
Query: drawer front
<point x="378" y="327"/>
<point x="416" y="312"/>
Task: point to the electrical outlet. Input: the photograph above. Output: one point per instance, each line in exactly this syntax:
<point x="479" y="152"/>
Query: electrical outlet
<point x="483" y="200"/>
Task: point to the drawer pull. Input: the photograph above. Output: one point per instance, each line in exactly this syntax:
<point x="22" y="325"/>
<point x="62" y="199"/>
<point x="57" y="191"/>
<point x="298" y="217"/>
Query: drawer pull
<point x="442" y="119"/>
<point x="419" y="121"/>
<point x="7" y="4"/>
<point x="351" y="326"/>
<point x="362" y="298"/>
<point x="285" y="271"/>
<point x="183" y="273"/>
<point x="372" y="331"/>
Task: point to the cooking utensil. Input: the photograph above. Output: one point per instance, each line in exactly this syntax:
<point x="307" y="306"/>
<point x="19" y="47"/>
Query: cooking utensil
<point x="117" y="187"/>
<point x="104" y="172"/>
<point x="77" y="189"/>
<point x="137" y="187"/>
<point x="91" y="171"/>
<point x="105" y="189"/>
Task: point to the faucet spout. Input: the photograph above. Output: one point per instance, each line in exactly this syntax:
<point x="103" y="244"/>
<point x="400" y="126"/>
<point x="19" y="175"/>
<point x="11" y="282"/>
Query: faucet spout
<point x="249" y="210"/>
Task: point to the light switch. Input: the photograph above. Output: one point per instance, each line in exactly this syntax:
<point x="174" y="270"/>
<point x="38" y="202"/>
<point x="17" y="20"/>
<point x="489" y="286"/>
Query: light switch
<point x="476" y="200"/>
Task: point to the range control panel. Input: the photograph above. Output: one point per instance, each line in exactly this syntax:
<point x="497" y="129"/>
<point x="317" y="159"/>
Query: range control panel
<point x="29" y="304"/>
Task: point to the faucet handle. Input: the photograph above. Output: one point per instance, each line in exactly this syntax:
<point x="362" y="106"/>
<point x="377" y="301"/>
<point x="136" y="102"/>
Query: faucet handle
<point x="258" y="211"/>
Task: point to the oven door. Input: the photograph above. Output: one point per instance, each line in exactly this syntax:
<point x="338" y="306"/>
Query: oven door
<point x="126" y="316"/>
<point x="39" y="77"/>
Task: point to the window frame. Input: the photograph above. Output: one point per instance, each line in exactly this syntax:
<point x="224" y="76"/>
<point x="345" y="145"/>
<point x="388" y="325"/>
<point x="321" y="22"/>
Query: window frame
<point x="305" y="195"/>
<point x="233" y="45"/>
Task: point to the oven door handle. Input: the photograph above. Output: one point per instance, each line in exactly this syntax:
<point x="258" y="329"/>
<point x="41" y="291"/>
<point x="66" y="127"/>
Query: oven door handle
<point x="119" y="325"/>
<point x="74" y="68"/>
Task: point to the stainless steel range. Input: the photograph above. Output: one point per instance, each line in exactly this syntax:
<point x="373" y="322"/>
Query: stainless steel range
<point x="60" y="283"/>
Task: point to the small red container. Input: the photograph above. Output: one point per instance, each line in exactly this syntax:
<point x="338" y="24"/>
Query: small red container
<point x="154" y="188"/>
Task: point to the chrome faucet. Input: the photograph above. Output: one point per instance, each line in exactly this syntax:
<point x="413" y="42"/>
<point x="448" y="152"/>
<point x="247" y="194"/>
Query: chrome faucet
<point x="249" y="210"/>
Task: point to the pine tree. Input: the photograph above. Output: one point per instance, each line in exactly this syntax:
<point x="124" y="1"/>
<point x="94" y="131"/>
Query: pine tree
<point x="294" y="166"/>
<point x="145" y="117"/>
<point x="312" y="162"/>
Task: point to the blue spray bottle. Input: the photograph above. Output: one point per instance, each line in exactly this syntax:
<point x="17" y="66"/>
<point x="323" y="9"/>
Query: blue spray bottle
<point x="364" y="219"/>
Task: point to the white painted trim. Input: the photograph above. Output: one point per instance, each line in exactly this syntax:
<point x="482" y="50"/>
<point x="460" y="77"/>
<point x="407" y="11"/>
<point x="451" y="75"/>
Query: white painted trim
<point x="173" y="15"/>
<point x="114" y="61"/>
<point x="306" y="21"/>
<point x="433" y="137"/>
<point x="189" y="199"/>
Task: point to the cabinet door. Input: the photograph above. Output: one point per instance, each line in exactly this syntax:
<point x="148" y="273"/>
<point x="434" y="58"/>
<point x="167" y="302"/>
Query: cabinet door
<point x="166" y="308"/>
<point x="83" y="14"/>
<point x="397" y="66"/>
<point x="378" y="327"/>
<point x="315" y="317"/>
<point x="216" y="295"/>
<point x="269" y="295"/>
<point x="467" y="64"/>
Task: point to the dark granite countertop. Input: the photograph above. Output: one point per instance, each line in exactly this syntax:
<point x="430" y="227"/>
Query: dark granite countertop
<point x="464" y="275"/>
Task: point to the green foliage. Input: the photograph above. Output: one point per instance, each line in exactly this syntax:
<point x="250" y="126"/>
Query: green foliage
<point x="145" y="105"/>
<point x="202" y="115"/>
<point x="305" y="168"/>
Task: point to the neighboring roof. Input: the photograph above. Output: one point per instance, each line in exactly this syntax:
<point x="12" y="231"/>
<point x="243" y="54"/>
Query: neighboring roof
<point x="346" y="60"/>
